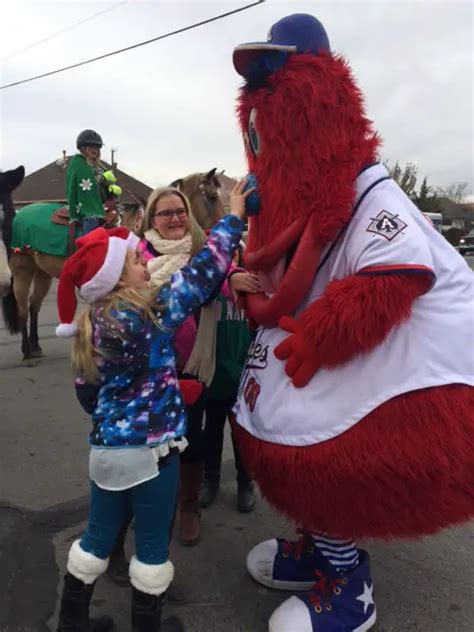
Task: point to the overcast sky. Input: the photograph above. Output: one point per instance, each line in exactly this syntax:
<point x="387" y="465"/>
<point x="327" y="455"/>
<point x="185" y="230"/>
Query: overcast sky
<point x="168" y="107"/>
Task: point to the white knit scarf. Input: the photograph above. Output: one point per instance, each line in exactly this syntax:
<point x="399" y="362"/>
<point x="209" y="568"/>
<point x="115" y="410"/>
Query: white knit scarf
<point x="174" y="254"/>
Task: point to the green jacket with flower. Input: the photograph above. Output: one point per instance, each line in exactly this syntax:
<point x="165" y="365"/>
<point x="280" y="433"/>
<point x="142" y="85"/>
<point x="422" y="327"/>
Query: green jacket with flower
<point x="83" y="192"/>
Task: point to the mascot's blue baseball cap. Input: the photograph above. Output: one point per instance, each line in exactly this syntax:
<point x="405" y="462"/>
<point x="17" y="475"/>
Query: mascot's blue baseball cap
<point x="297" y="33"/>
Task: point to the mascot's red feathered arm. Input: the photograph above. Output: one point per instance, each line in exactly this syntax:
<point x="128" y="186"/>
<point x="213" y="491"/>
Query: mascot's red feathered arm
<point x="353" y="316"/>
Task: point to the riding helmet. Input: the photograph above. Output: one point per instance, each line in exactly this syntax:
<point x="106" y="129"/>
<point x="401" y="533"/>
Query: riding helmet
<point x="89" y="138"/>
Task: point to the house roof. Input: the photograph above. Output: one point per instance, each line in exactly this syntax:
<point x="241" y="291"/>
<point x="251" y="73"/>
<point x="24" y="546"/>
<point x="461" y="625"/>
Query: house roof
<point x="48" y="184"/>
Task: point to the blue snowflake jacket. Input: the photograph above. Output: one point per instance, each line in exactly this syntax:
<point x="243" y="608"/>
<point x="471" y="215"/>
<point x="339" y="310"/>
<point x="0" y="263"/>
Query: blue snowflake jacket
<point x="137" y="400"/>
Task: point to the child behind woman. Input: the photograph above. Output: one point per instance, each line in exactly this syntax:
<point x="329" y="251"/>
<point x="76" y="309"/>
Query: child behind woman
<point x="232" y="342"/>
<point x="124" y="357"/>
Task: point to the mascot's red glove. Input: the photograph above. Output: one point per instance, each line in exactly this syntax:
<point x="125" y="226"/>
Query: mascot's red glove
<point x="302" y="361"/>
<point x="352" y="316"/>
<point x="190" y="390"/>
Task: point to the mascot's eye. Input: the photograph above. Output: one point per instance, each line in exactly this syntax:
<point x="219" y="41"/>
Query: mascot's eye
<point x="246" y="141"/>
<point x="253" y="134"/>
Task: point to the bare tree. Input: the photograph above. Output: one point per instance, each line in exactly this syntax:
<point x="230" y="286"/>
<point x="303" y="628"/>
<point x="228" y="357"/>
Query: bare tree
<point x="405" y="176"/>
<point x="455" y="192"/>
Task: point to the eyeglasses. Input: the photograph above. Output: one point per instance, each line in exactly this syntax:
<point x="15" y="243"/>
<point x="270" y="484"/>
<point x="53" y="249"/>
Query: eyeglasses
<point x="179" y="213"/>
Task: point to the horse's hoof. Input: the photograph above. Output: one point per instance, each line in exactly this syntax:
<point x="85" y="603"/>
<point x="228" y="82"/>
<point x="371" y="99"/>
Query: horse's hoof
<point x="37" y="353"/>
<point x="30" y="362"/>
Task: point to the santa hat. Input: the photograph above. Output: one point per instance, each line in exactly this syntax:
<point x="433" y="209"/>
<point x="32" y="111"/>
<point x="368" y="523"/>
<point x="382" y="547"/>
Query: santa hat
<point x="122" y="232"/>
<point x="94" y="269"/>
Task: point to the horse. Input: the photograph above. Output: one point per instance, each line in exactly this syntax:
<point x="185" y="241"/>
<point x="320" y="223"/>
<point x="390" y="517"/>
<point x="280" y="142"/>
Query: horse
<point x="203" y="192"/>
<point x="40" y="238"/>
<point x="5" y="274"/>
<point x="33" y="269"/>
<point x="9" y="181"/>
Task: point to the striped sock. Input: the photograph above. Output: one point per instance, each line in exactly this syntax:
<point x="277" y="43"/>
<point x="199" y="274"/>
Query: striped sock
<point x="342" y="554"/>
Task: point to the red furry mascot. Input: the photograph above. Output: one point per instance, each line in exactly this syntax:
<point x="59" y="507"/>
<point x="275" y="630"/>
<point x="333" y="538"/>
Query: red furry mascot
<point x="355" y="411"/>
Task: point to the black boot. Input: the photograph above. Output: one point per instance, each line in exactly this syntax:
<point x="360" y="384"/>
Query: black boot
<point x="74" y="613"/>
<point x="147" y="611"/>
<point x="209" y="492"/>
<point x="245" y="486"/>
<point x="245" y="496"/>
<point x="175" y="595"/>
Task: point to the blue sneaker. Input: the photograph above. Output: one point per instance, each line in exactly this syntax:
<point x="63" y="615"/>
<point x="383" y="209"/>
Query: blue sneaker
<point x="337" y="602"/>
<point x="285" y="565"/>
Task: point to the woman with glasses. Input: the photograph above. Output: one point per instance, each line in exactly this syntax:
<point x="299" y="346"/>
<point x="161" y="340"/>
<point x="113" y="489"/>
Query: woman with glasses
<point x="170" y="236"/>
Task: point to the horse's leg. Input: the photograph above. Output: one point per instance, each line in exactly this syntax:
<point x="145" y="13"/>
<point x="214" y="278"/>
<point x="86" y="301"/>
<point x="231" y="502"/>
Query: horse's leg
<point x="42" y="284"/>
<point x="23" y="270"/>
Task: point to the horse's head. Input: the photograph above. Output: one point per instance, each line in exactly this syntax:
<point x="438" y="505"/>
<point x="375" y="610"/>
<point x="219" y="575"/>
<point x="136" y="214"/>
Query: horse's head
<point x="203" y="192"/>
<point x="9" y="181"/>
<point x="129" y="215"/>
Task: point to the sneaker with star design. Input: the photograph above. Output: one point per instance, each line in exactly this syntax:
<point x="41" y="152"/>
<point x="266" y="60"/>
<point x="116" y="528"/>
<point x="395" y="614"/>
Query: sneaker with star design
<point x="337" y="602"/>
<point x="284" y="564"/>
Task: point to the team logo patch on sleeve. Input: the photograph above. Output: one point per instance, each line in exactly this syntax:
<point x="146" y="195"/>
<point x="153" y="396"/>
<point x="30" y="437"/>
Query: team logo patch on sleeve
<point x="387" y="225"/>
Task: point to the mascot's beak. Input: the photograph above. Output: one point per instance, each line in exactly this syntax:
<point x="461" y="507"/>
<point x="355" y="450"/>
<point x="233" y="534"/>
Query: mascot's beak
<point x="252" y="203"/>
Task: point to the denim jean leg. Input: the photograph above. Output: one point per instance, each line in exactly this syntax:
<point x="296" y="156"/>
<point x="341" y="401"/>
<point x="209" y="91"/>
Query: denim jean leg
<point x="108" y="513"/>
<point x="91" y="223"/>
<point x="154" y="504"/>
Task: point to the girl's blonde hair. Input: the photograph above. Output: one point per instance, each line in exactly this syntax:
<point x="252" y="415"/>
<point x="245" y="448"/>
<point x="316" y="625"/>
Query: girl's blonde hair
<point x="85" y="356"/>
<point x="198" y="236"/>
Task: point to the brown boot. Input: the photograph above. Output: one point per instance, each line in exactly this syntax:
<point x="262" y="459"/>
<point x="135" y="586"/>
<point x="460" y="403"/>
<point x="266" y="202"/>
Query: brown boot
<point x="190" y="515"/>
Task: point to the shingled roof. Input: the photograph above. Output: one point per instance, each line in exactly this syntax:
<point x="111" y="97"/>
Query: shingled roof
<point x="48" y="184"/>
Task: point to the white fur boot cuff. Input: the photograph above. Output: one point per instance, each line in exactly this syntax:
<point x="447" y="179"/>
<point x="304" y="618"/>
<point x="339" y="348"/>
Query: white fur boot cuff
<point x="152" y="579"/>
<point x="85" y="566"/>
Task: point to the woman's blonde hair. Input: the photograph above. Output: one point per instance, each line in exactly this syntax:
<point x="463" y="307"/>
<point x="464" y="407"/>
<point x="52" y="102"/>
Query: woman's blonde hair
<point x="198" y="236"/>
<point x="85" y="356"/>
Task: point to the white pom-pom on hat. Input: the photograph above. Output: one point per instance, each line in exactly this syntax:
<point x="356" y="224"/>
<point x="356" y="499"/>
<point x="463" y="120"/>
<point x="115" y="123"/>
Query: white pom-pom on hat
<point x="66" y="330"/>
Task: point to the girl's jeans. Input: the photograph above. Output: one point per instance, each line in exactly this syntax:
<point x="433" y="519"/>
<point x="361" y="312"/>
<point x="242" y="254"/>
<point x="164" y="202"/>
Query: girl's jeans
<point x="90" y="224"/>
<point x="152" y="504"/>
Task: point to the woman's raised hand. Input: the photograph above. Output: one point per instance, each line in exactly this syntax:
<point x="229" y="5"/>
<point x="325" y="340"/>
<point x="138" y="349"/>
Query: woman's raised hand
<point x="238" y="197"/>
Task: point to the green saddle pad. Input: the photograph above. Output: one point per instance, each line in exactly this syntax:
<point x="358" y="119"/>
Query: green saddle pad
<point x="33" y="228"/>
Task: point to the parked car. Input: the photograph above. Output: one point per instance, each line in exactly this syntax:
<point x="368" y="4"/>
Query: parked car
<point x="466" y="243"/>
<point x="436" y="219"/>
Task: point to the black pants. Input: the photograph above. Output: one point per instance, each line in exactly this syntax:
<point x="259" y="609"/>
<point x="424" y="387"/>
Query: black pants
<point x="195" y="432"/>
<point x="217" y="411"/>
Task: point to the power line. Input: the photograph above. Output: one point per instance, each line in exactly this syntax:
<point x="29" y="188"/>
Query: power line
<point x="68" y="28"/>
<point x="127" y="48"/>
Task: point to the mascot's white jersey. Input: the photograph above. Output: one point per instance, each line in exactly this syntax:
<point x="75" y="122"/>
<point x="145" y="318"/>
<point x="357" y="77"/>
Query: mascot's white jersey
<point x="387" y="234"/>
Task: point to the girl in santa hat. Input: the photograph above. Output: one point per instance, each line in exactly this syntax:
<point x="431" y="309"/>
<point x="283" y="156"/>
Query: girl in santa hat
<point x="124" y="357"/>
